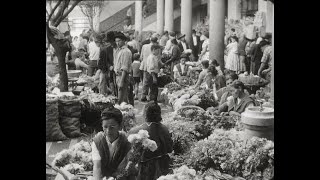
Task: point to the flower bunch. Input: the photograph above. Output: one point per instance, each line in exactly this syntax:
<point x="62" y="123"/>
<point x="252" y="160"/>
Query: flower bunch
<point x="207" y="100"/>
<point x="139" y="143"/>
<point x="79" y="154"/>
<point x="173" y="86"/>
<point x="229" y="152"/>
<point x="129" y="119"/>
<point x="182" y="173"/>
<point x="74" y="168"/>
<point x="212" y="151"/>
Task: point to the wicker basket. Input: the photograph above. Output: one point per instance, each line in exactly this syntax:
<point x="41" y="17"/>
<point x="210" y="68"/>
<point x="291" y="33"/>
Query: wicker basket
<point x="184" y="108"/>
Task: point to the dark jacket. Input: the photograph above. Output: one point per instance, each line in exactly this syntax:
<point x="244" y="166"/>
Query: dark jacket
<point x="106" y="58"/>
<point x="109" y="167"/>
<point x="154" y="164"/>
<point x="175" y="54"/>
<point x="195" y="49"/>
<point x="185" y="70"/>
<point x="181" y="47"/>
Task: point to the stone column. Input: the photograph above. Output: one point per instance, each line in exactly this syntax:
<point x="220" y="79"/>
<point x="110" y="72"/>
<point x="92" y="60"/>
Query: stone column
<point x="208" y="8"/>
<point x="186" y="19"/>
<point x="269" y="15"/>
<point x="272" y="70"/>
<point x="169" y="15"/>
<point x="138" y="17"/>
<point x="267" y="8"/>
<point x="216" y="31"/>
<point x="234" y="9"/>
<point x="160" y="16"/>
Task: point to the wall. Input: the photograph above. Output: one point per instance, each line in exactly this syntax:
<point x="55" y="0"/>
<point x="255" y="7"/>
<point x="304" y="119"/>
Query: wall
<point x="112" y="7"/>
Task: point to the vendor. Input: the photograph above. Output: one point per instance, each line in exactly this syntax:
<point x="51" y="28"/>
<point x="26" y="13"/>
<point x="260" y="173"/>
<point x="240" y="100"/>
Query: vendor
<point x="203" y="73"/>
<point x="238" y="102"/>
<point x="225" y="92"/>
<point x="157" y="163"/>
<point x="110" y="147"/>
<point x="181" y="69"/>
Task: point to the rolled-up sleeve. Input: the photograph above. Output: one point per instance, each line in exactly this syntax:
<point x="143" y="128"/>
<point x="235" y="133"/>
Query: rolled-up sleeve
<point x="126" y="61"/>
<point x="95" y="153"/>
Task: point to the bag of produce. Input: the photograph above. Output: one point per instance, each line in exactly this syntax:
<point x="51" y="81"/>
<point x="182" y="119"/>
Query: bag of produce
<point x="53" y="130"/>
<point x="70" y="126"/>
<point x="70" y="106"/>
<point x="70" y="114"/>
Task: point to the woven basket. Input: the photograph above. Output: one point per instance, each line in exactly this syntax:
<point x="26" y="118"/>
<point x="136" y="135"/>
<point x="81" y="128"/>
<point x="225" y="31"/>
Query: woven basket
<point x="184" y="108"/>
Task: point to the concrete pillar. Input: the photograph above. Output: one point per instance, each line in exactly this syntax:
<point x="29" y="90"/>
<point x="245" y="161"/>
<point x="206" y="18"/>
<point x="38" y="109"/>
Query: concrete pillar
<point x="272" y="70"/>
<point x="208" y="8"/>
<point x="160" y="16"/>
<point x="216" y="31"/>
<point x="267" y="7"/>
<point x="186" y="19"/>
<point x="234" y="9"/>
<point x="269" y="17"/>
<point x="138" y="17"/>
<point x="169" y="15"/>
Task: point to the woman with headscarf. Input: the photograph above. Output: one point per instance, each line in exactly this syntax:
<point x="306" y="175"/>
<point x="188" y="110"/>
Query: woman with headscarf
<point x="154" y="164"/>
<point x="110" y="147"/>
<point x="204" y="55"/>
<point x="232" y="61"/>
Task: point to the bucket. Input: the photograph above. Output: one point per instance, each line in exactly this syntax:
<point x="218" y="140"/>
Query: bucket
<point x="258" y="122"/>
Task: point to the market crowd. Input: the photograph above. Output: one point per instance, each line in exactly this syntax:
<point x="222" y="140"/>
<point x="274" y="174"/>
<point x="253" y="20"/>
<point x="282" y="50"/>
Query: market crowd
<point x="121" y="62"/>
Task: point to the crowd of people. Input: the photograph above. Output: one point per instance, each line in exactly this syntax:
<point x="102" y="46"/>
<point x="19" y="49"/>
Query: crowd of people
<point x="121" y="62"/>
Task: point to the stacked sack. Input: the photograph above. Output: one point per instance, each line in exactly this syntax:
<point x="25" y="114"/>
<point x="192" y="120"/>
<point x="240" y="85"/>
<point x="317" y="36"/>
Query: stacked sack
<point x="70" y="114"/>
<point x="53" y="130"/>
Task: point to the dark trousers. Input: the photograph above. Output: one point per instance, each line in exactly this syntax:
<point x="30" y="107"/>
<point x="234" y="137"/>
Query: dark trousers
<point x="93" y="66"/>
<point x="254" y="67"/>
<point x="148" y="83"/>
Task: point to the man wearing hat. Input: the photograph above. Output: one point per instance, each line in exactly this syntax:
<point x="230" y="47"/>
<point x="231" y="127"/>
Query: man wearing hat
<point x="122" y="67"/>
<point x="182" y="43"/>
<point x="238" y="102"/>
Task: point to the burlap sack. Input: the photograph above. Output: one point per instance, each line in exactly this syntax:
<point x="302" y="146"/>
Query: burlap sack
<point x="70" y="108"/>
<point x="70" y="126"/>
<point x="53" y="130"/>
<point x="70" y="114"/>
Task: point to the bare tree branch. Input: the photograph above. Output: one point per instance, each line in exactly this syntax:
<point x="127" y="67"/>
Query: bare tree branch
<point x="55" y="7"/>
<point x="68" y="12"/>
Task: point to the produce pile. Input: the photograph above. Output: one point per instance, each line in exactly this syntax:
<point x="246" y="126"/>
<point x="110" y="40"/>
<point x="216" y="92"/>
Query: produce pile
<point x="51" y="82"/>
<point x="173" y="86"/>
<point x="77" y="159"/>
<point x="230" y="153"/>
<point x="188" y="96"/>
<point x="129" y="119"/>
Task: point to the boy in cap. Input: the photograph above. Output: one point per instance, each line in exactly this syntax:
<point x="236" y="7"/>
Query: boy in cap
<point x="122" y="67"/>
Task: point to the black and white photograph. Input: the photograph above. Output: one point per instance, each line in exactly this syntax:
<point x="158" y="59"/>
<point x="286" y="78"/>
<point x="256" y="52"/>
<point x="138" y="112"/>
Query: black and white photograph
<point x="159" y="90"/>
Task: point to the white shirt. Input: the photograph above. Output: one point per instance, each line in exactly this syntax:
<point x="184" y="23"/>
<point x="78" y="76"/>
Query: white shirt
<point x="95" y="153"/>
<point x="194" y="40"/>
<point x="184" y="45"/>
<point x="94" y="51"/>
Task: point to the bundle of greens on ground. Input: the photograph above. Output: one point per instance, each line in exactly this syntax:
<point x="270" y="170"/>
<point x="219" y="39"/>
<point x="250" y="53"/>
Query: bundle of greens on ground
<point x="76" y="159"/>
<point x="230" y="153"/>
